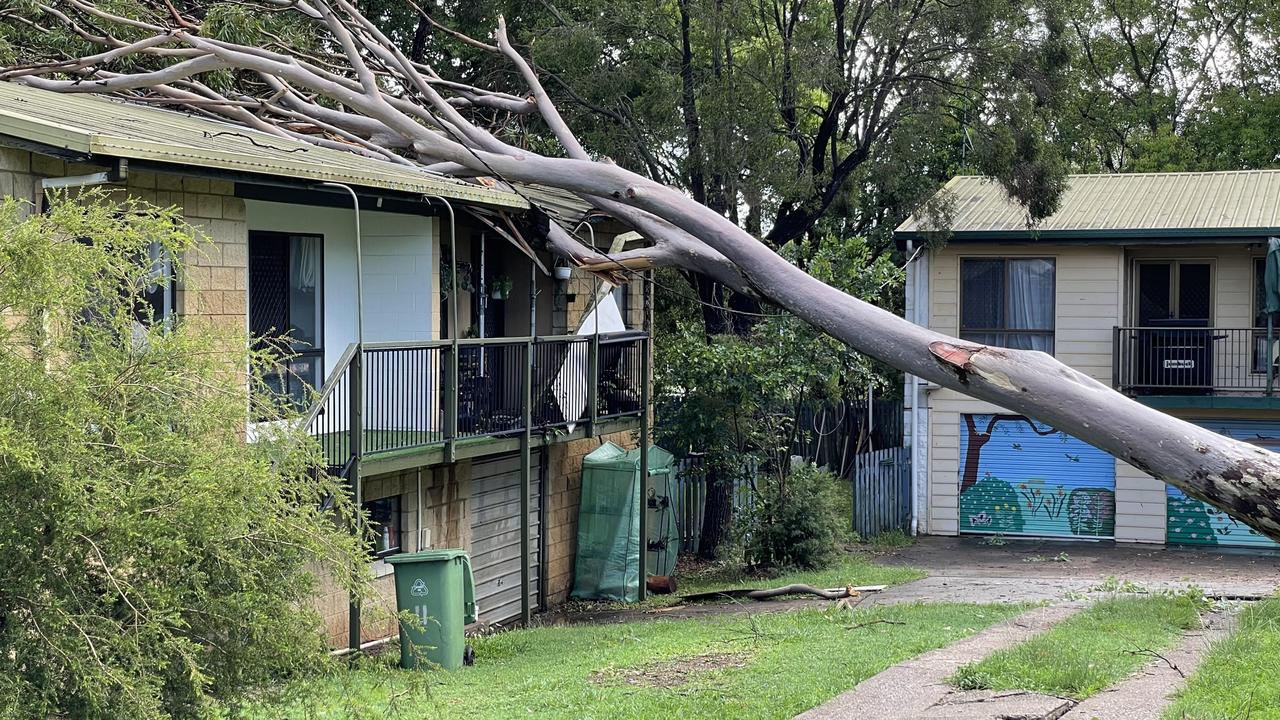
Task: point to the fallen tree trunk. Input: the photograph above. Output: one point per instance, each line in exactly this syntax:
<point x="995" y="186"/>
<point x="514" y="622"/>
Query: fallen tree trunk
<point x="385" y="104"/>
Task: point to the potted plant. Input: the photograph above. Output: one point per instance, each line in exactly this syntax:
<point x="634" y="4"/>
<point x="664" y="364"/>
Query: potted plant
<point x="464" y="271"/>
<point x="500" y="287"/>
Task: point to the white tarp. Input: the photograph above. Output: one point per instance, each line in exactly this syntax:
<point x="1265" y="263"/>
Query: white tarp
<point x="605" y="317"/>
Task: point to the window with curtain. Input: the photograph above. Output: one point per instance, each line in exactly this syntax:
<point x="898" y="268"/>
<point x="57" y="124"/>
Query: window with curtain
<point x="1008" y="302"/>
<point x="286" y="301"/>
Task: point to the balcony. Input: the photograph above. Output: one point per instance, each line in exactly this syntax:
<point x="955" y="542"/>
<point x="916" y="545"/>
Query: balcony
<point x="1186" y="360"/>
<point x="426" y="399"/>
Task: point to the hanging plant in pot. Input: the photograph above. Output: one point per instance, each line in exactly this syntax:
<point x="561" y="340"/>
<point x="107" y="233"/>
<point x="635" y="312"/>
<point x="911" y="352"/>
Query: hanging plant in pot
<point x="500" y="288"/>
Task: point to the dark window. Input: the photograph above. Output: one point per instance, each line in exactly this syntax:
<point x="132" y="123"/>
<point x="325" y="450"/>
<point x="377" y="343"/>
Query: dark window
<point x="1259" y="292"/>
<point x="621" y="297"/>
<point x="1260" y="341"/>
<point x="286" y="304"/>
<point x="1008" y="302"/>
<point x="1194" y="302"/>
<point x="1175" y="290"/>
<point x="155" y="303"/>
<point x="385" y="517"/>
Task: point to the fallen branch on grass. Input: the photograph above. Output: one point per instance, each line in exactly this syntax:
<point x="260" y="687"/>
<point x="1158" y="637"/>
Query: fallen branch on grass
<point x="881" y="621"/>
<point x="794" y="589"/>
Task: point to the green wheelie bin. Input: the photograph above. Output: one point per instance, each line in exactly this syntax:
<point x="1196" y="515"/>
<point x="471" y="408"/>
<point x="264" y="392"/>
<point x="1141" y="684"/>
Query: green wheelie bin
<point x="438" y="588"/>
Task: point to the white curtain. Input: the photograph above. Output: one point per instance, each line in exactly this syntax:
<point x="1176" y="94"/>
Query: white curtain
<point x="306" y="266"/>
<point x="1030" y="307"/>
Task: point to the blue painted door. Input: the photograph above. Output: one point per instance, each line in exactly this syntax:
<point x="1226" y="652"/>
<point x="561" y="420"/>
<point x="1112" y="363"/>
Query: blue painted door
<point x="1191" y="522"/>
<point x="1021" y="477"/>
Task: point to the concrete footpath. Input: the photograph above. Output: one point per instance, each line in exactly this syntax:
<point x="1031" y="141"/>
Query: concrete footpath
<point x="1144" y="695"/>
<point x="917" y="688"/>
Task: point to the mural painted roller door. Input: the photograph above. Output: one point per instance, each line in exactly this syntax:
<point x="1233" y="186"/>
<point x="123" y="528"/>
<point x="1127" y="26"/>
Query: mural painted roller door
<point x="1021" y="477"/>
<point x="1191" y="522"/>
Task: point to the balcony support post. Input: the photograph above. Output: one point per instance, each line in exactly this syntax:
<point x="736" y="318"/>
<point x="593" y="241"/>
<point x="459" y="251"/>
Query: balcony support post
<point x="526" y="481"/>
<point x="593" y="383"/>
<point x="451" y="390"/>
<point x="355" y="434"/>
<point x="1115" y="358"/>
<point x="646" y="347"/>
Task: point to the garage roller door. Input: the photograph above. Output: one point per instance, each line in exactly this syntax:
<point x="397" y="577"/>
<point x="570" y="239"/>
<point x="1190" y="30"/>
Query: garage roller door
<point x="1019" y="477"/>
<point x="1191" y="522"/>
<point x="495" y="536"/>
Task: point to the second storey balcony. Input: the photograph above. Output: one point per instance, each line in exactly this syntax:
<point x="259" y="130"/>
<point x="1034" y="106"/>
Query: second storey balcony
<point x="425" y="400"/>
<point x="1188" y="358"/>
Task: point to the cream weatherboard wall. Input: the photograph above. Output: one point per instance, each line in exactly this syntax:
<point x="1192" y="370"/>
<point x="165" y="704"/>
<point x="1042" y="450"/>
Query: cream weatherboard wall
<point x="1092" y="296"/>
<point x="1089" y="302"/>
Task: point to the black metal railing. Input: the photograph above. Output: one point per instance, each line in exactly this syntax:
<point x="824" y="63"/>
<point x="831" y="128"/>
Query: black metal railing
<point x="490" y="387"/>
<point x="560" y="391"/>
<point x="1188" y="360"/>
<point x="329" y="419"/>
<point x="618" y="375"/>
<point x="399" y="396"/>
<point x="403" y="397"/>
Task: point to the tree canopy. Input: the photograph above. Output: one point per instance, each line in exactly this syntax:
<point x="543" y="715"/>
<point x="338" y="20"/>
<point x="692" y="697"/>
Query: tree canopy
<point x="342" y="81"/>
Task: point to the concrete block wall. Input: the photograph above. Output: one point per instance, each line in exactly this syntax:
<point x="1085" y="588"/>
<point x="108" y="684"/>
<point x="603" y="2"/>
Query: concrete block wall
<point x="216" y="286"/>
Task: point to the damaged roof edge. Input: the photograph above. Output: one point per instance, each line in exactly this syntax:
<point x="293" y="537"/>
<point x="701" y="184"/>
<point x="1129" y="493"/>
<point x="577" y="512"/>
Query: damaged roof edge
<point x="97" y="127"/>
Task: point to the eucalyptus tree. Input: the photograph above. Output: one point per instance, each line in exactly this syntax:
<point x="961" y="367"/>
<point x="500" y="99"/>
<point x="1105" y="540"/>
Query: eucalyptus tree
<point x="1161" y="85"/>
<point x="357" y="89"/>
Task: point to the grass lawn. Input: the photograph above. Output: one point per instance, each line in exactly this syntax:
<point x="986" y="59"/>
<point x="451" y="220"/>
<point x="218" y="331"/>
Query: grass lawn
<point x="1089" y="651"/>
<point x="1239" y="678"/>
<point x="772" y="665"/>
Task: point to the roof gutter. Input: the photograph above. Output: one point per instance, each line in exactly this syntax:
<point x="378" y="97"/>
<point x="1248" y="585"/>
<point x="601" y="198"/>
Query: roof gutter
<point x="118" y="173"/>
<point x="1113" y="236"/>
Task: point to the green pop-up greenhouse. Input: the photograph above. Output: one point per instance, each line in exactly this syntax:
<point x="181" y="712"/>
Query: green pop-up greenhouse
<point x="608" y="560"/>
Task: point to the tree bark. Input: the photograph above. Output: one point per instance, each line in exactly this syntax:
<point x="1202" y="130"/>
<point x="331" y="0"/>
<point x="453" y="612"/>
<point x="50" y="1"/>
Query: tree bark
<point x="717" y="515"/>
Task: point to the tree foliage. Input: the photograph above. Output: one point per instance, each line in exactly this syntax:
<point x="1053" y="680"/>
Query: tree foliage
<point x="155" y="565"/>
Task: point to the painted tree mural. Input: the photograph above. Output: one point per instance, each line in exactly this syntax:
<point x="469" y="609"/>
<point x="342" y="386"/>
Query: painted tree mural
<point x="977" y="439"/>
<point x="1024" y="477"/>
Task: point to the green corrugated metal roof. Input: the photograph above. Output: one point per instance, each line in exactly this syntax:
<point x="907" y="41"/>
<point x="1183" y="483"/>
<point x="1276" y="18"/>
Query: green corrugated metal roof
<point x="1244" y="202"/>
<point x="94" y="125"/>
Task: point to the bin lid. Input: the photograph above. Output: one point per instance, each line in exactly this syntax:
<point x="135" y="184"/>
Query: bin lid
<point x="426" y="556"/>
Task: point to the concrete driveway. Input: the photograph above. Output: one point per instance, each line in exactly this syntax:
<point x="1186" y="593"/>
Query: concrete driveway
<point x="971" y="570"/>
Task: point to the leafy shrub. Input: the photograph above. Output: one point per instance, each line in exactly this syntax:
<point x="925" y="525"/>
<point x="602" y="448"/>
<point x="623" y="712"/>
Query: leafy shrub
<point x="795" y="520"/>
<point x="154" y="564"/>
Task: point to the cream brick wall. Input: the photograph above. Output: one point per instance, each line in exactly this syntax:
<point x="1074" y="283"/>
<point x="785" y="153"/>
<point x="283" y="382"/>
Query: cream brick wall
<point x="217" y="269"/>
<point x="564" y="478"/>
<point x="445" y="511"/>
